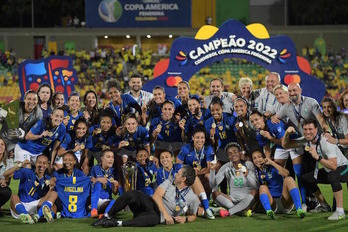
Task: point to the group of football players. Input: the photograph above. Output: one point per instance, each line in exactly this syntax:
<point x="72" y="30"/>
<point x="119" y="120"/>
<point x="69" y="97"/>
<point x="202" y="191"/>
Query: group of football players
<point x="172" y="158"/>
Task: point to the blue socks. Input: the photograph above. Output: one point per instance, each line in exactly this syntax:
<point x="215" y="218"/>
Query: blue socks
<point x="21" y="209"/>
<point x="95" y="195"/>
<point x="295" y="195"/>
<point x="298" y="173"/>
<point x="204" y="200"/>
<point x="112" y="202"/>
<point x="265" y="201"/>
<point x="49" y="204"/>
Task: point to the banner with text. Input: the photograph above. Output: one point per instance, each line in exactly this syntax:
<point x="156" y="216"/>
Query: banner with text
<point x="234" y="40"/>
<point x="138" y="13"/>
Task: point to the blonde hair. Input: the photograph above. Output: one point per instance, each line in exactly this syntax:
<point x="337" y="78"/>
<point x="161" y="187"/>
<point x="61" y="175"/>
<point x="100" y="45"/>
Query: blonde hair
<point x="283" y="87"/>
<point x="245" y="81"/>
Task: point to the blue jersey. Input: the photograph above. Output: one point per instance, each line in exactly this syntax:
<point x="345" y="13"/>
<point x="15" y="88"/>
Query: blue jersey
<point x="120" y="111"/>
<point x="194" y="158"/>
<point x="139" y="137"/>
<point x="224" y="131"/>
<point x="72" y="120"/>
<point x="158" y="108"/>
<point x="31" y="188"/>
<point x="106" y="190"/>
<point x="170" y="132"/>
<point x="62" y="173"/>
<point x="46" y="113"/>
<point x="193" y="122"/>
<point x="163" y="175"/>
<point x="102" y="138"/>
<point x="36" y="147"/>
<point x="145" y="177"/>
<point x="70" y="141"/>
<point x="276" y="131"/>
<point x="73" y="193"/>
<point x="270" y="177"/>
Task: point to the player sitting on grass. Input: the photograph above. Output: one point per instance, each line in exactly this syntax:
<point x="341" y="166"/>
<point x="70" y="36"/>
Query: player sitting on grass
<point x="242" y="182"/>
<point x="168" y="170"/>
<point x="173" y="201"/>
<point x="35" y="197"/>
<point x="278" y="191"/>
<point x="104" y="184"/>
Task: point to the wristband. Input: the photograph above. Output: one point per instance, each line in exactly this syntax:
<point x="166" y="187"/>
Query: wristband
<point x="319" y="158"/>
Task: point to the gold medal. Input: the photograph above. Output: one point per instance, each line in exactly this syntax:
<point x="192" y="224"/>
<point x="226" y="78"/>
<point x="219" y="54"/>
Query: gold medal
<point x="237" y="173"/>
<point x="47" y="182"/>
<point x="98" y="131"/>
<point x="240" y="124"/>
<point x="221" y="128"/>
<point x="167" y="126"/>
<point x="130" y="139"/>
<point x="213" y="125"/>
<point x="240" y="166"/>
<point x="67" y="117"/>
<point x="76" y="144"/>
<point x="111" y="179"/>
<point x="159" y="127"/>
<point x="126" y="143"/>
<point x="150" y="157"/>
<point x="82" y="146"/>
<point x="183" y="120"/>
<point x="307" y="148"/>
<point x="177" y="208"/>
<point x="263" y="176"/>
<point x="36" y="183"/>
<point x="106" y="175"/>
<point x="50" y="134"/>
<point x="73" y="121"/>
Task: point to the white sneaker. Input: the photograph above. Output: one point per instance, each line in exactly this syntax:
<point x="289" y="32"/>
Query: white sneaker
<point x="335" y="217"/>
<point x="209" y="214"/>
<point x="25" y="218"/>
<point x="304" y="207"/>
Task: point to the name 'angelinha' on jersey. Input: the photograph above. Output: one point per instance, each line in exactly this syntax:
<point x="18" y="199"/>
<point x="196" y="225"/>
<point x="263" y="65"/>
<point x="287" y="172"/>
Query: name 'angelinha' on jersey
<point x="73" y="189"/>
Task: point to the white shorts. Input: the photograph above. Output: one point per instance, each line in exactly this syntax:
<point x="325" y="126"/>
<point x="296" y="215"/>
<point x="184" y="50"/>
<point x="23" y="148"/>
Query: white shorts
<point x="21" y="155"/>
<point x="101" y="202"/>
<point x="283" y="154"/>
<point x="30" y="207"/>
<point x="280" y="207"/>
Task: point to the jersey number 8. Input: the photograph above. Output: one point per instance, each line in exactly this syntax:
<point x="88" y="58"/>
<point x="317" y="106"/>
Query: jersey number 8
<point x="72" y="203"/>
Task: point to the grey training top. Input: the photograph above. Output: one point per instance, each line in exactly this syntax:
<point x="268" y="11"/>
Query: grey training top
<point x="308" y="108"/>
<point x="190" y="200"/>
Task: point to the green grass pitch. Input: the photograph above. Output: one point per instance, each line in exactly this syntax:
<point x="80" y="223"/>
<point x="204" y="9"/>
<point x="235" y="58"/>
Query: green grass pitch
<point x="258" y="222"/>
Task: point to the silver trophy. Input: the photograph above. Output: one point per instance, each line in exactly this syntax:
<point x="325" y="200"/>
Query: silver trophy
<point x="130" y="171"/>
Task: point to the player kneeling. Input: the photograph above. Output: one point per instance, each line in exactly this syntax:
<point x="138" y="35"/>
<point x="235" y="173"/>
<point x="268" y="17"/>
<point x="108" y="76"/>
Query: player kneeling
<point x="104" y="184"/>
<point x="278" y="191"/>
<point x="35" y="197"/>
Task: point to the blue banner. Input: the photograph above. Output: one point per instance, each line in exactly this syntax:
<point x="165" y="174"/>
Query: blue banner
<point x="234" y="40"/>
<point x="138" y="13"/>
